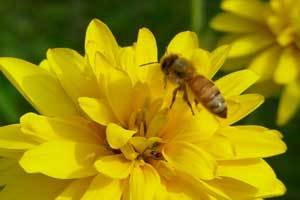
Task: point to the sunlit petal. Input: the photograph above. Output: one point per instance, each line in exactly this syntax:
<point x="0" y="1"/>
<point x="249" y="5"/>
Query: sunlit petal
<point x="103" y="41"/>
<point x="11" y="137"/>
<point x="183" y="42"/>
<point x="50" y="129"/>
<point x="39" y="87"/>
<point x="190" y="159"/>
<point x="73" y="72"/>
<point x="101" y="187"/>
<point x="117" y="136"/>
<point x="143" y="182"/>
<point x="237" y="82"/>
<point x="75" y="189"/>
<point x="98" y="110"/>
<point x="263" y="143"/>
<point x="267" y="183"/>
<point x="115" y="166"/>
<point x="64" y="160"/>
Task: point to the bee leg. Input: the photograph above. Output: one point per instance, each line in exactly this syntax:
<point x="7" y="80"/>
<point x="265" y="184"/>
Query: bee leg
<point x="174" y="95"/>
<point x="196" y="103"/>
<point x="186" y="99"/>
<point x="165" y="82"/>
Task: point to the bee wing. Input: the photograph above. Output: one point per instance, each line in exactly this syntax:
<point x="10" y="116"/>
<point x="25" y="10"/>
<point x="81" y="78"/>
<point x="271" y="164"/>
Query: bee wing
<point x="201" y="61"/>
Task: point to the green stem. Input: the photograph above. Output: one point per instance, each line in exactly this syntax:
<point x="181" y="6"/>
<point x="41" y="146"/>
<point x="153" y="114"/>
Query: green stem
<point x="198" y="15"/>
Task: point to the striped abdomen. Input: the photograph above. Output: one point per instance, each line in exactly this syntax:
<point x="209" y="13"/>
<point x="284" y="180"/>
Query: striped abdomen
<point x="209" y="95"/>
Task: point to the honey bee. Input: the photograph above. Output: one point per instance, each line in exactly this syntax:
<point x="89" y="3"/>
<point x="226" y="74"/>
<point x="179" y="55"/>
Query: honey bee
<point x="182" y="72"/>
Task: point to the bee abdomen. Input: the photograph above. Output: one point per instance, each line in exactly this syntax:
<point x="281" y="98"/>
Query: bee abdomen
<point x="209" y="95"/>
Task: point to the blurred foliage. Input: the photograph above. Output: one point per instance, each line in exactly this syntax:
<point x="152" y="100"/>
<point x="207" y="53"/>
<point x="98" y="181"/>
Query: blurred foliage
<point x="29" y="27"/>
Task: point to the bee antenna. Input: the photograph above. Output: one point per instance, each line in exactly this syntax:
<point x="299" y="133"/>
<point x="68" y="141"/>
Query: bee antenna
<point x="142" y="65"/>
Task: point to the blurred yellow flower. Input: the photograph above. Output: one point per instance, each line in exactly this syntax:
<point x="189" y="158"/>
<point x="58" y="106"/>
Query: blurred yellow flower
<point x="106" y="132"/>
<point x="268" y="34"/>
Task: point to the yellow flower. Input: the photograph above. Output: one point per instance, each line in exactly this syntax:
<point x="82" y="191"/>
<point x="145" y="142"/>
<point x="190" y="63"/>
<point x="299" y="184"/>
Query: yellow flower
<point x="268" y="35"/>
<point x="106" y="130"/>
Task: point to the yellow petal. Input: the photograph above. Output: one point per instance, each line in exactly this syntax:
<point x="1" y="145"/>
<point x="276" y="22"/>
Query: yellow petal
<point x="235" y="83"/>
<point x="289" y="103"/>
<point x="104" y="188"/>
<point x="140" y="95"/>
<point x="251" y="10"/>
<point x="228" y="22"/>
<point x="129" y="152"/>
<point x="288" y="66"/>
<point x="184" y="187"/>
<point x="286" y="36"/>
<point x="165" y="169"/>
<point x="179" y="195"/>
<point x="50" y="129"/>
<point x="251" y="142"/>
<point x="24" y="186"/>
<point x="146" y="49"/>
<point x="156" y="81"/>
<point x="103" y="39"/>
<point x="139" y="143"/>
<point x="74" y="73"/>
<point x="156" y="124"/>
<point x="218" y="57"/>
<point x="190" y="159"/>
<point x="183" y="42"/>
<point x="46" y="66"/>
<point x="241" y="106"/>
<point x="219" y="146"/>
<point x="117" y="136"/>
<point x="11" y="153"/>
<point x="225" y="188"/>
<point x="265" y="63"/>
<point x="200" y="127"/>
<point x="39" y="87"/>
<point x="75" y="189"/>
<point x="11" y="137"/>
<point x="162" y="194"/>
<point x="63" y="160"/>
<point x="115" y="166"/>
<point x="143" y="183"/>
<point x="250" y="43"/>
<point x="98" y="110"/>
<point x="129" y="64"/>
<point x="119" y="94"/>
<point x="178" y="113"/>
<point x="8" y="167"/>
<point x="102" y="67"/>
<point x="259" y="174"/>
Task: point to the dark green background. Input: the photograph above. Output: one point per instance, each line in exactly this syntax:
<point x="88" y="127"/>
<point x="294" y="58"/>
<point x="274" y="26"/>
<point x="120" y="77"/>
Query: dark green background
<point x="29" y="27"/>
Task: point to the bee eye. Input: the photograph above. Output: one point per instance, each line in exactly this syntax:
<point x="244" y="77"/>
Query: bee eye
<point x="179" y="74"/>
<point x="164" y="66"/>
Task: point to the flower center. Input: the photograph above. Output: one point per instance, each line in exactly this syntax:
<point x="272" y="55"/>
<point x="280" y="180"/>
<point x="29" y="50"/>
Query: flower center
<point x="144" y="145"/>
<point x="141" y="148"/>
<point x="283" y="21"/>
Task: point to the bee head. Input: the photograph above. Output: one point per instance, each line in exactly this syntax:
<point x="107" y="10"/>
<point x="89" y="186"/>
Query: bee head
<point x="167" y="62"/>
